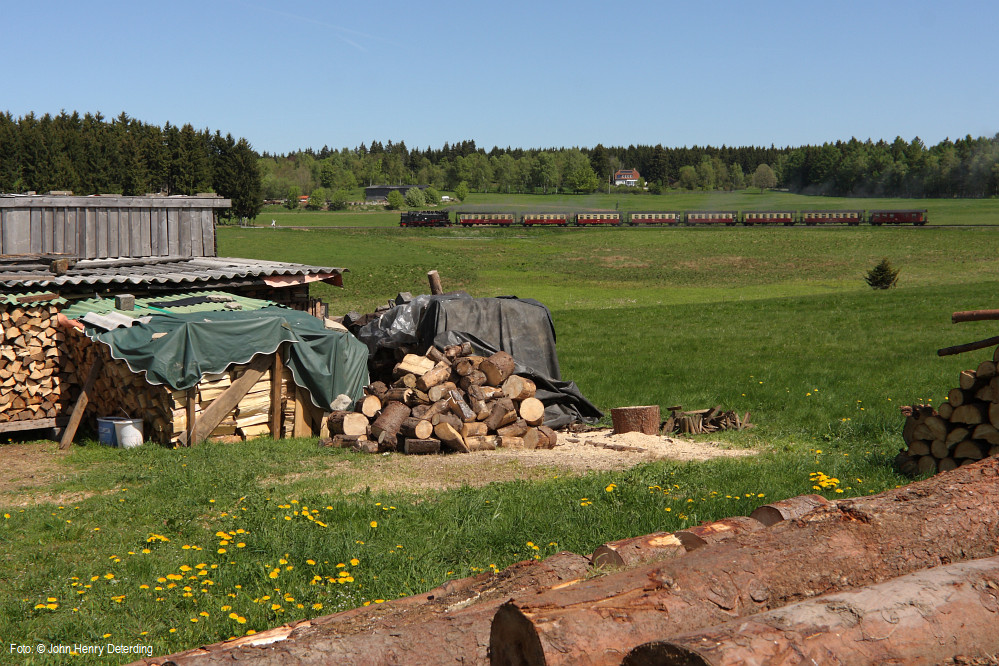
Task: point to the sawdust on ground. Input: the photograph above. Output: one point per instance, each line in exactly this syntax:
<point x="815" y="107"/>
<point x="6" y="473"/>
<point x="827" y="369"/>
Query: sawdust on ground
<point x="30" y="469"/>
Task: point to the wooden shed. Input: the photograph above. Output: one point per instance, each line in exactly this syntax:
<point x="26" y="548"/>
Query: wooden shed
<point x="56" y="250"/>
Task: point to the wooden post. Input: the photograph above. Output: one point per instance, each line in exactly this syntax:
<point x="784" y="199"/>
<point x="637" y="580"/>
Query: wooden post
<point x="971" y="346"/>
<point x="81" y="404"/>
<point x="191" y="409"/>
<point x="277" y="376"/>
<point x="435" y="283"/>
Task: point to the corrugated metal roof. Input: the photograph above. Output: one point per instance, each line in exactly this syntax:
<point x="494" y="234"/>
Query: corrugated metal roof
<point x="209" y="301"/>
<point x="159" y="271"/>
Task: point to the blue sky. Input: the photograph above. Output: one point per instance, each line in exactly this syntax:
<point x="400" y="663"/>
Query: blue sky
<point x="303" y="73"/>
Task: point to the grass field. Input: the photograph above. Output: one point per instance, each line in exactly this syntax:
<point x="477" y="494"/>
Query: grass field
<point x="180" y="548"/>
<point x="941" y="211"/>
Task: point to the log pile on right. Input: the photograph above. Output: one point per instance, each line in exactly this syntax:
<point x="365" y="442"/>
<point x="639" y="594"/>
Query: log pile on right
<point x="960" y="431"/>
<point x="450" y="400"/>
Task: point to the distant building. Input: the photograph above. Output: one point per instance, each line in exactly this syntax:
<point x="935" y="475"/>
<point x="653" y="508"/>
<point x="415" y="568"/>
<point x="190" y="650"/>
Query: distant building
<point x="381" y="192"/>
<point x="627" y="177"/>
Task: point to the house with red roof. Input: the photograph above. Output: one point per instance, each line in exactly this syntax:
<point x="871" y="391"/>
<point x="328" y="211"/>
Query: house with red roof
<point x="627" y="177"/>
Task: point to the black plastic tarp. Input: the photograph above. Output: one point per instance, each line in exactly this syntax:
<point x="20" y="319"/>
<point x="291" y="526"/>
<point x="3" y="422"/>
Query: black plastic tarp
<point x="521" y="327"/>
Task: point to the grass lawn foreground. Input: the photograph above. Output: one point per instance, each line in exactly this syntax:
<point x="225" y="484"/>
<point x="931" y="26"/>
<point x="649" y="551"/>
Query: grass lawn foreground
<point x="177" y="548"/>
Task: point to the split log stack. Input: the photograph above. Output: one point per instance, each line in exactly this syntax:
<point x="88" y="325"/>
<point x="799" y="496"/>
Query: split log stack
<point x="450" y="400"/>
<point x="36" y="378"/>
<point x="961" y="430"/>
<point x="700" y="421"/>
<point x="117" y="391"/>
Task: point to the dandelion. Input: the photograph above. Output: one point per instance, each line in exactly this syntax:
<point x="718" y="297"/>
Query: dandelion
<point x="354" y="562"/>
<point x="374" y="523"/>
<point x="610" y="487"/>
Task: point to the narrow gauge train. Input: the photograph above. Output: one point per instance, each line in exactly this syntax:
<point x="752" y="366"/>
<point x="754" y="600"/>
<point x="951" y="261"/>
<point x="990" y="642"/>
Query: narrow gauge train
<point x="666" y="218"/>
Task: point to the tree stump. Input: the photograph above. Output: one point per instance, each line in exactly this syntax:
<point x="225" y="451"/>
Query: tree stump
<point x="644" y="419"/>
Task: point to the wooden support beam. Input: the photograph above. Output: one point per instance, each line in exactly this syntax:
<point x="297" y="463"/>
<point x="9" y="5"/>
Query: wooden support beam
<point x="971" y="346"/>
<point x="974" y="315"/>
<point x="225" y="403"/>
<point x="81" y="404"/>
<point x="191" y="411"/>
<point x="277" y="376"/>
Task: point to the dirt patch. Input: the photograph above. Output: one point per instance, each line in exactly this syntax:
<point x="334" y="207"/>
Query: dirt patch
<point x="28" y="470"/>
<point x="576" y="454"/>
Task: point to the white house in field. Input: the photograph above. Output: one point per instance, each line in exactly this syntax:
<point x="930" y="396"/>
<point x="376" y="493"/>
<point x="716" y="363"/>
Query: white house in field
<point x="627" y="177"/>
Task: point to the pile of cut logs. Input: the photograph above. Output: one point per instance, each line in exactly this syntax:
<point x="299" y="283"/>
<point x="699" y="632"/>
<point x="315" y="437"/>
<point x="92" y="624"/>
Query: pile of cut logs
<point x="961" y="430"/>
<point x="35" y="379"/>
<point x="451" y="400"/>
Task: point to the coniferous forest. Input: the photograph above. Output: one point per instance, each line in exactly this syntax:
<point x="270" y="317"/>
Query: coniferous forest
<point x="90" y="154"/>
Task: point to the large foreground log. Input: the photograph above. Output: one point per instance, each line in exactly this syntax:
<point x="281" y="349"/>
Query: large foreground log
<point x="447" y="625"/>
<point x="852" y="543"/>
<point x="927" y="617"/>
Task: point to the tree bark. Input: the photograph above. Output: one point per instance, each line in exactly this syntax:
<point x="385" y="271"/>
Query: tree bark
<point x="788" y="509"/>
<point x="927" y="617"/>
<point x="497" y="368"/>
<point x="390" y="420"/>
<point x="850" y="544"/>
<point x="643" y="419"/>
<point x="447" y="625"/>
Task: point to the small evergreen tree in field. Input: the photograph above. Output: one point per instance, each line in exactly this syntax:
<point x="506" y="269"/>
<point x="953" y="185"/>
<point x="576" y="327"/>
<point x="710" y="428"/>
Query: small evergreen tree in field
<point x="395" y="200"/>
<point x="882" y="276"/>
<point x="414" y="197"/>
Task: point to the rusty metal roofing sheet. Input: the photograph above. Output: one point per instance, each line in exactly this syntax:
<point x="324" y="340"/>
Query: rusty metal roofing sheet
<point x="159" y="270"/>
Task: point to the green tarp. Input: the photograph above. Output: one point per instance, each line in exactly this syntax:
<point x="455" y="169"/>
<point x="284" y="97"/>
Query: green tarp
<point x="178" y="349"/>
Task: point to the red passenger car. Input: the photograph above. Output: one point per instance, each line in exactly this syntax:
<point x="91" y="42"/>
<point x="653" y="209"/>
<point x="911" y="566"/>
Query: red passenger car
<point x="594" y="219"/>
<point x="671" y="218"/>
<point x="550" y="219"/>
<point x="478" y="219"/>
<point x="727" y="217"/>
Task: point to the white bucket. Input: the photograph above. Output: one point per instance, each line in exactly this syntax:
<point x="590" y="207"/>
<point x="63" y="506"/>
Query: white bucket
<point x="128" y="432"/>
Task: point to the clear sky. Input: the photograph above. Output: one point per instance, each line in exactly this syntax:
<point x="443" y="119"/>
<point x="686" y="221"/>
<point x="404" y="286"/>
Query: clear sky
<point x="305" y="73"/>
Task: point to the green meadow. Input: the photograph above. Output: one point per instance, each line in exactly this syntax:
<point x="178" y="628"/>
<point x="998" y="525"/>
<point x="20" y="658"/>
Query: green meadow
<point x="178" y="548"/>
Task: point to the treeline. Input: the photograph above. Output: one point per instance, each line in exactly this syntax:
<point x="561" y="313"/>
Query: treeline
<point x="508" y="169"/>
<point x="90" y="155"/>
<point x="964" y="168"/>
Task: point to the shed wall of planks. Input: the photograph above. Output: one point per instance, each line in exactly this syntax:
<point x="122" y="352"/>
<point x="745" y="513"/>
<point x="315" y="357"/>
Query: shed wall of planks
<point x="109" y="227"/>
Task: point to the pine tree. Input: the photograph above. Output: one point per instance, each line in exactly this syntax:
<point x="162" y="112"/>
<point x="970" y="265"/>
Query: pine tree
<point x="882" y="276"/>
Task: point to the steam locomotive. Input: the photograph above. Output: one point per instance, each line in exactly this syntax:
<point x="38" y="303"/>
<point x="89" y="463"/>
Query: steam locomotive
<point x="747" y="218"/>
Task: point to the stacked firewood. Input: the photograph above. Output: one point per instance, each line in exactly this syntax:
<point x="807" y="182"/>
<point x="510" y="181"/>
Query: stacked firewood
<point x="700" y="421"/>
<point x="117" y="391"/>
<point x="452" y="400"/>
<point x="35" y="379"/>
<point x="962" y="430"/>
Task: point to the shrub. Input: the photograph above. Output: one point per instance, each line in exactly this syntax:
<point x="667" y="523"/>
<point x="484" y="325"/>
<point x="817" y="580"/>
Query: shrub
<point x="461" y="192"/>
<point x="414" y="197"/>
<point x="396" y="200"/>
<point x="882" y="276"/>
<point x="432" y="196"/>
<point x="339" y="200"/>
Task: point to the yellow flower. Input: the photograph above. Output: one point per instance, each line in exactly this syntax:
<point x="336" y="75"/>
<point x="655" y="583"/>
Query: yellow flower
<point x="317" y="606"/>
<point x="374" y="523"/>
<point x="611" y="487"/>
<point x="354" y="561"/>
